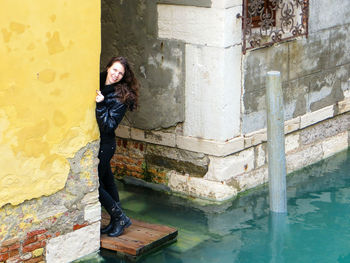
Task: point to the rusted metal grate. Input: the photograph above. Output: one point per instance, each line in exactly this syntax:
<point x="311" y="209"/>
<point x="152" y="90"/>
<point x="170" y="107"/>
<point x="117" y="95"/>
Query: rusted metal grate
<point x="266" y="22"/>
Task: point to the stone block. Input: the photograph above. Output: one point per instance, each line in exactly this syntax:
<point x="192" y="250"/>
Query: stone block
<point x="325" y="129"/>
<point x="156" y="137"/>
<point x="123" y="131"/>
<point x="260" y="155"/>
<point x="292" y="125"/>
<point x="200" y="26"/>
<point x="224" y="168"/>
<point x="198" y="187"/>
<point x="344" y="105"/>
<point x="292" y="142"/>
<point x="213" y="77"/>
<point x="231" y="146"/>
<point x="304" y="157"/>
<point x="180" y="160"/>
<point x="51" y="211"/>
<point x="250" y="180"/>
<point x="316" y="116"/>
<point x="68" y="247"/>
<point x="335" y="144"/>
<point x="255" y="138"/>
<point x="92" y="212"/>
<point x="209" y="146"/>
<point x="90" y="198"/>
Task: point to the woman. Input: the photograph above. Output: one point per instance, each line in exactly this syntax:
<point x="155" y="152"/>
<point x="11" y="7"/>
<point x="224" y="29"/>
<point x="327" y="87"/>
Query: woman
<point x="118" y="93"/>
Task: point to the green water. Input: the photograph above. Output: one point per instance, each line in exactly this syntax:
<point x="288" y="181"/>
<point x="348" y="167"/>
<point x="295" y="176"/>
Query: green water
<point x="316" y="229"/>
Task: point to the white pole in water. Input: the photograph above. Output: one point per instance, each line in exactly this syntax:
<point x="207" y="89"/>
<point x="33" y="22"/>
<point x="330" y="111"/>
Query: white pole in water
<point x="275" y="143"/>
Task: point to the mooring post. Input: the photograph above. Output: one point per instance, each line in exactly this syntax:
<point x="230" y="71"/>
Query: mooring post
<point x="275" y="143"/>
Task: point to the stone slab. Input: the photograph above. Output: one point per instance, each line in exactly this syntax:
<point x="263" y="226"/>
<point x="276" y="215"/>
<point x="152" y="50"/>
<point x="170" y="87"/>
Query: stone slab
<point x="316" y="116"/>
<point x="216" y="27"/>
<point x="199" y="187"/>
<point x="71" y="246"/>
<point x="335" y="144"/>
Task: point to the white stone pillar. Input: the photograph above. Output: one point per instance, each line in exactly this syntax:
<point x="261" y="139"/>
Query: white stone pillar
<point x="213" y="65"/>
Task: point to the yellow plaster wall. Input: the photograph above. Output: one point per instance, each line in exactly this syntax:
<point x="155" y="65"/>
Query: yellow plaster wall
<point x="49" y="69"/>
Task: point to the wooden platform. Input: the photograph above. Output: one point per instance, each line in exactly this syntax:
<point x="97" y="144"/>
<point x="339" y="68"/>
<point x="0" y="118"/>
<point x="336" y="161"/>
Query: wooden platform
<point x="138" y="239"/>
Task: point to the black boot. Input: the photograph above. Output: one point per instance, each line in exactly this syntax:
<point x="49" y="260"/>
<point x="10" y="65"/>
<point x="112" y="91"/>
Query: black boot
<point x="109" y="227"/>
<point x="119" y="221"/>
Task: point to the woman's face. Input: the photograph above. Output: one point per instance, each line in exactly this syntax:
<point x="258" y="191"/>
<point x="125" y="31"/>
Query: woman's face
<point x="115" y="73"/>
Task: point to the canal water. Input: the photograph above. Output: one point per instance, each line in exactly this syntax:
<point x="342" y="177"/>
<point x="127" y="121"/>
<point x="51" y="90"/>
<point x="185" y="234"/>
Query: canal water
<point x="316" y="228"/>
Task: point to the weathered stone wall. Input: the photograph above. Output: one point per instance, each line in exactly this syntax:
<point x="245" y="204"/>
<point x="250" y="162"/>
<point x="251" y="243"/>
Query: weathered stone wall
<point x="60" y="227"/>
<point x="129" y="28"/>
<point x="185" y="54"/>
<point x="315" y="70"/>
<point x="50" y="53"/>
<point x="152" y="162"/>
<point x="218" y="147"/>
<point x="235" y="166"/>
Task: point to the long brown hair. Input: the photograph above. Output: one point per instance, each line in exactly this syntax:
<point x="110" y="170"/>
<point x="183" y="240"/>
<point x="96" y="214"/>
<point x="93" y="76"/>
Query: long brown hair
<point x="127" y="89"/>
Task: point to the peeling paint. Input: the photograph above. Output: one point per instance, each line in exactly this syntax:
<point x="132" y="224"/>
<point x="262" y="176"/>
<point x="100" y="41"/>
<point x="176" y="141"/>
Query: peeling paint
<point x="45" y="114"/>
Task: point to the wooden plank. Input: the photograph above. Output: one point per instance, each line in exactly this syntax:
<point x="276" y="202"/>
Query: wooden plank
<point x="139" y="238"/>
<point x="161" y="228"/>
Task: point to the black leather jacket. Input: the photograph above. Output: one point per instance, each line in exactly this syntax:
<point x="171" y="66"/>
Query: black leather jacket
<point x="109" y="112"/>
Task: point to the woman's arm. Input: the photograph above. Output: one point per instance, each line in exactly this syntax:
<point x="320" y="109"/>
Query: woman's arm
<point x="109" y="117"/>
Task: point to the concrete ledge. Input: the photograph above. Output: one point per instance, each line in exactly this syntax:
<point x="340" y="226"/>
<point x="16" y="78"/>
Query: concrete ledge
<point x="247" y="168"/>
<point x="155" y="137"/>
<point x="224" y="148"/>
<point x="211" y="147"/>
<point x="316" y="116"/>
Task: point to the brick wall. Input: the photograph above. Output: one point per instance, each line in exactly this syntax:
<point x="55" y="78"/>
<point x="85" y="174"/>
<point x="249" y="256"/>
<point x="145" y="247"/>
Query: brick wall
<point x="131" y="159"/>
<point x="30" y="250"/>
<point x="46" y="229"/>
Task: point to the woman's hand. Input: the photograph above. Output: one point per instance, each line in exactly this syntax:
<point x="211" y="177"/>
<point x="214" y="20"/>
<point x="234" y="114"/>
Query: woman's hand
<point x="99" y="96"/>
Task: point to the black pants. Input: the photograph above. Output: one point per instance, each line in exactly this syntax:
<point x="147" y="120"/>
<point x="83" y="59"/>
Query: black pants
<point x="108" y="189"/>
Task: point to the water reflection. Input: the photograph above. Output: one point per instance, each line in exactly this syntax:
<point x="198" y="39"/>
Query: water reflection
<point x="278" y="234"/>
<point x="316" y="229"/>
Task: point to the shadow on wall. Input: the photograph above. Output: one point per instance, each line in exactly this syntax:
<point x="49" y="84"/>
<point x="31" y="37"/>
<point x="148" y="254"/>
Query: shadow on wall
<point x="158" y="64"/>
